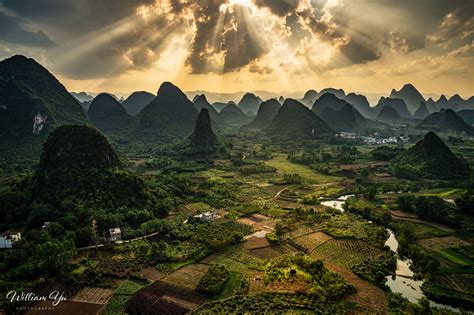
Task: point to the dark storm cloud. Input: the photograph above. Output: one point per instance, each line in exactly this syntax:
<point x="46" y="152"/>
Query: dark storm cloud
<point x="13" y="31"/>
<point x="73" y="17"/>
<point x="280" y="8"/>
<point x="359" y="52"/>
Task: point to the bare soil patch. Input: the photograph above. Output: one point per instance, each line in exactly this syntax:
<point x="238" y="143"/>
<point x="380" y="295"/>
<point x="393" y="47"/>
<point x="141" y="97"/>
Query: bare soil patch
<point x="152" y="274"/>
<point x="370" y="298"/>
<point x="255" y="242"/>
<point x="187" y="276"/>
<point x="313" y="240"/>
<point x="93" y="295"/>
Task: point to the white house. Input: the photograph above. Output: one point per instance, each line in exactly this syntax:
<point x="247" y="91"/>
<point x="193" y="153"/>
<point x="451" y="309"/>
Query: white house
<point x="9" y="237"/>
<point x="115" y="234"/>
<point x="210" y="215"/>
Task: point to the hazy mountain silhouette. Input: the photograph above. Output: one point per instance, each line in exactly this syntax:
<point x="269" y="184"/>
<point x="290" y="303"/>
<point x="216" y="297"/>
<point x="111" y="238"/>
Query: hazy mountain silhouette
<point x="388" y="114"/>
<point x="410" y="95"/>
<point x="345" y="119"/>
<point x="430" y="158"/>
<point x="328" y="100"/>
<point x="467" y="115"/>
<point x="396" y="103"/>
<point x="309" y="98"/>
<point x="82" y="97"/>
<point x="107" y="114"/>
<point x="137" y="101"/>
<point x="422" y="111"/>
<point x="445" y="120"/>
<point x="360" y="103"/>
<point x="296" y="120"/>
<point x="233" y="115"/>
<point x="339" y="93"/>
<point x="249" y="103"/>
<point x="32" y="100"/>
<point x="170" y="113"/>
<point x="218" y="106"/>
<point x="266" y="112"/>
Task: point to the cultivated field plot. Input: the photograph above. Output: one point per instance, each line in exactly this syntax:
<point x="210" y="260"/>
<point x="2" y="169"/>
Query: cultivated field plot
<point x="300" y="231"/>
<point x="258" y="222"/>
<point x="187" y="276"/>
<point x="242" y="256"/>
<point x="271" y="252"/>
<point x="254" y="242"/>
<point x="457" y="282"/>
<point x="345" y="253"/>
<point x="283" y="166"/>
<point x="313" y="240"/>
<point x="93" y="295"/>
<point x="152" y="274"/>
<point x="436" y="243"/>
<point x="166" y="298"/>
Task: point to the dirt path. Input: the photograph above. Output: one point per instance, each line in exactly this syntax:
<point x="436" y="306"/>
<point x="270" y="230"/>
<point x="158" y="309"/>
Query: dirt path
<point x="277" y="194"/>
<point x="370" y="298"/>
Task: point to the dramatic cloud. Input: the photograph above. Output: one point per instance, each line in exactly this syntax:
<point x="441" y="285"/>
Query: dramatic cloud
<point x="268" y="39"/>
<point x="280" y="8"/>
<point x="13" y="31"/>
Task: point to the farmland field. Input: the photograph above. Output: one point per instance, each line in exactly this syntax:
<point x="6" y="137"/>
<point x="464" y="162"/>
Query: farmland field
<point x="187" y="276"/>
<point x="345" y="253"/>
<point x="283" y="166"/>
<point x="119" y="299"/>
<point x="313" y="240"/>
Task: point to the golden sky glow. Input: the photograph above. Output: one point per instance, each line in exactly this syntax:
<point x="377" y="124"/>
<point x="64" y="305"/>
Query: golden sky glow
<point x="242" y="45"/>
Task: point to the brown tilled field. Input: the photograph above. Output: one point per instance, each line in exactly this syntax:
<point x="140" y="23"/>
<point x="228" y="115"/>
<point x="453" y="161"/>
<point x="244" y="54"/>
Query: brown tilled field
<point x="313" y="240"/>
<point x="187" y="276"/>
<point x="165" y="298"/>
<point x="258" y="222"/>
<point x="93" y="295"/>
<point x="271" y="252"/>
<point x="255" y="242"/>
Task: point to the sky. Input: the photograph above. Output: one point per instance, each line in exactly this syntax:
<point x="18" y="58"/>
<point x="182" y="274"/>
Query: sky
<point x="120" y="46"/>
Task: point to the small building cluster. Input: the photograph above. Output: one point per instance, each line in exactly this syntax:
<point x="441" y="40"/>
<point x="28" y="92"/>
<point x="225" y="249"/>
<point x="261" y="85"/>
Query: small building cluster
<point x="374" y="139"/>
<point x="209" y="216"/>
<point x="115" y="234"/>
<point x="8" y="238"/>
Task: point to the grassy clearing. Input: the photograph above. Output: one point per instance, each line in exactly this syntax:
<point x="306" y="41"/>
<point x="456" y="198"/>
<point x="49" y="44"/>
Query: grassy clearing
<point x="442" y="192"/>
<point x="423" y="231"/>
<point x="283" y="166"/>
<point x="231" y="264"/>
<point x="118" y="301"/>
<point x="230" y="286"/>
<point x="454" y="257"/>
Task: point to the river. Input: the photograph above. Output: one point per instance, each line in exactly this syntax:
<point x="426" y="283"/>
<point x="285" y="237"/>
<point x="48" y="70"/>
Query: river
<point x="402" y="281"/>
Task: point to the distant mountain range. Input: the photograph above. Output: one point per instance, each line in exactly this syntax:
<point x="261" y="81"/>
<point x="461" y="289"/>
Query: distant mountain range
<point x="32" y="101"/>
